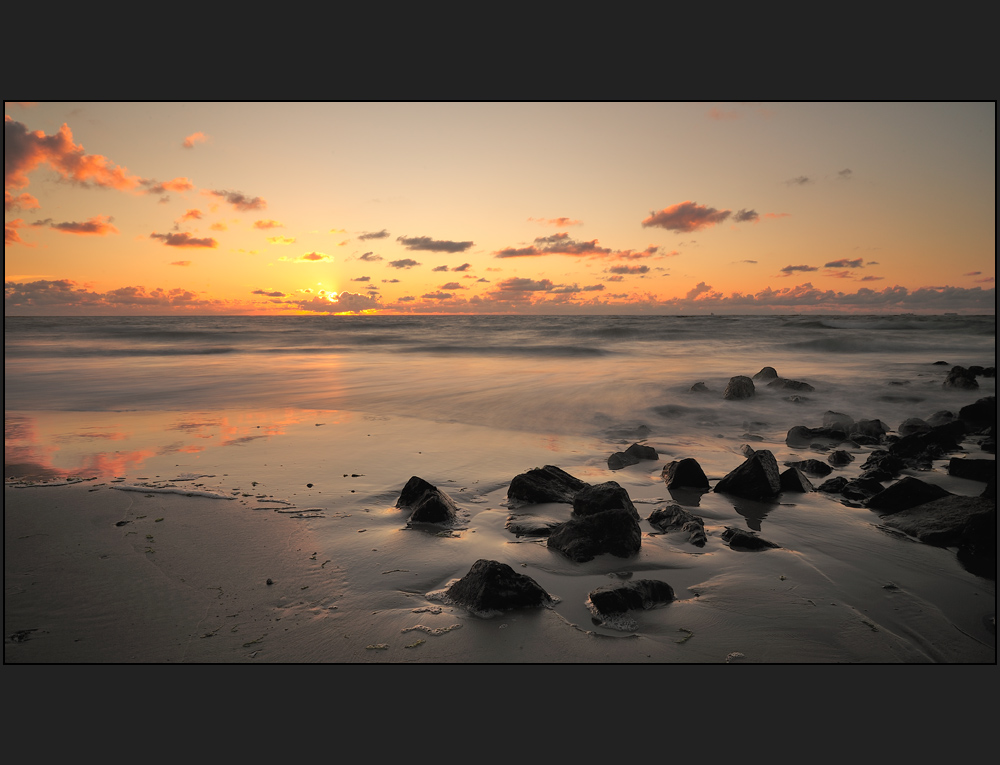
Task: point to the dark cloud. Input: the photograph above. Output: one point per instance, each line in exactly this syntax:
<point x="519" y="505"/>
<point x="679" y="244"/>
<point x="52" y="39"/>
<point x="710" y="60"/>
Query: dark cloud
<point x="433" y="245"/>
<point x="802" y="180"/>
<point x="66" y="297"/>
<point x="452" y="286"/>
<point x="845" y="174"/>
<point x="240" y="201"/>
<point x="463" y="267"/>
<point x="101" y="226"/>
<point x="972" y="273"/>
<point x="744" y="216"/>
<point x="362" y="279"/>
<point x="556" y="244"/>
<point x="686" y="216"/>
<point x="184" y="240"/>
<point x="628" y="270"/>
<point x="845" y="263"/>
<point x="789" y="270"/>
<point x="697" y="290"/>
<point x="437" y="296"/>
<point x="274" y="294"/>
<point x="516" y="284"/>
<point x="390" y="281"/>
<point x="404" y="263"/>
<point x="371" y="257"/>
<point x="440" y="268"/>
<point x="374" y="235"/>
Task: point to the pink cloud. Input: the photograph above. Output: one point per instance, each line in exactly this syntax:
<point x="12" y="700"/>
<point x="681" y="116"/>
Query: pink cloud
<point x="193" y="139"/>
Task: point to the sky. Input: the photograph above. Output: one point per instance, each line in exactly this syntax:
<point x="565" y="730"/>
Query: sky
<point x="499" y="208"/>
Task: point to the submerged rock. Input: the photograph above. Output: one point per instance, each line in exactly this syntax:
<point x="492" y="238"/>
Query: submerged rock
<point x="783" y="384"/>
<point x="738" y="539"/>
<point x="875" y="429"/>
<point x="523" y="525"/>
<point x="960" y="377"/>
<point x="838" y="421"/>
<point x="638" y="594"/>
<point x="840" y="458"/>
<point x="811" y="467"/>
<point x="491" y="586"/>
<point x="862" y="488"/>
<point x="756" y="478"/>
<point x="684" y="474"/>
<point x="546" y="484"/>
<point x="767" y="373"/>
<point x="631" y="456"/>
<point x="673" y="518"/>
<point x="913" y="425"/>
<point x="801" y="437"/>
<point x="739" y="387"/>
<point x="612" y="531"/>
<point x="428" y="503"/>
<point x="904" y="494"/>
<point x="700" y="387"/>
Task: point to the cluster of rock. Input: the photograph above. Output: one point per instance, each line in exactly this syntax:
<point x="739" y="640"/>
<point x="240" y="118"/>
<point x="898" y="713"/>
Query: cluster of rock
<point x="632" y="456"/>
<point x="742" y="387"/>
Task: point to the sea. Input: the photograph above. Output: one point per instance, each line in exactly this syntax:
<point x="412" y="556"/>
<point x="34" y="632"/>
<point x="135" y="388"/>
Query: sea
<point x="470" y="401"/>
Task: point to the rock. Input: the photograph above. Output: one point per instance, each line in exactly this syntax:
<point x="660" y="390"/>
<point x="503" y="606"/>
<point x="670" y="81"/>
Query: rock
<point x="582" y="539"/>
<point x="833" y="485"/>
<point x="600" y="497"/>
<point x="673" y="517"/>
<point x="919" y="450"/>
<point x="940" y="418"/>
<point x="811" y="467"/>
<point x="738" y="539"/>
<point x="840" y="458"/>
<point x="862" y="488"/>
<point x="973" y="469"/>
<point x="838" y="421"/>
<point x="904" y="494"/>
<point x="631" y="456"/>
<point x="491" y="586"/>
<point x="871" y="428"/>
<point x="523" y="525"/>
<point x="638" y="594"/>
<point x="757" y="478"/>
<point x="962" y="378"/>
<point x="546" y="484"/>
<point x="794" y="479"/>
<point x="981" y="414"/>
<point x="767" y="373"/>
<point x="684" y="474"/>
<point x="801" y="437"/>
<point x="428" y="503"/>
<point x="783" y="384"/>
<point x="700" y="387"/>
<point x="969" y="523"/>
<point x="739" y="387"/>
<point x="747" y="451"/>
<point x="882" y="460"/>
<point x="913" y="425"/>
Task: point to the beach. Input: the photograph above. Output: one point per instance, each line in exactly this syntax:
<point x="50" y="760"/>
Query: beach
<point x="225" y="490"/>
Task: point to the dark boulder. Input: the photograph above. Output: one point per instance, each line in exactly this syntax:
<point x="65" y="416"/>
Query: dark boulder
<point x="801" y="437"/>
<point x="631" y="456"/>
<point x="940" y="418"/>
<point x="738" y="539"/>
<point x="546" y="484"/>
<point x="913" y="425"/>
<point x="919" y="450"/>
<point x="757" y="478"/>
<point x="833" y="485"/>
<point x="862" y="488"/>
<point x="811" y="467"/>
<point x="700" y="387"/>
<point x="491" y="586"/>
<point x="603" y="496"/>
<point x="981" y="414"/>
<point x="684" y="474"/>
<point x="904" y="494"/>
<point x="962" y="378"/>
<point x="840" y="458"/>
<point x="428" y="503"/>
<point x="838" y="421"/>
<point x="767" y="373"/>
<point x="673" y="518"/>
<point x="975" y="470"/>
<point x="782" y="384"/>
<point x="634" y="595"/>
<point x="739" y="387"/>
<point x="870" y="428"/>
<point x="794" y="479"/>
<point x="583" y="539"/>
<point x="882" y="460"/>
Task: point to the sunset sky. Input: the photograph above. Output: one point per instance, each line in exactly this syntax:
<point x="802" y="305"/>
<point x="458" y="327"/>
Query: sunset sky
<point x="609" y="208"/>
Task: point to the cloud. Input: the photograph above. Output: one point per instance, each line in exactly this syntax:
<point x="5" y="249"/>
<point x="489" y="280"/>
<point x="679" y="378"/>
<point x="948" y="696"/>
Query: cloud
<point x="685" y="217"/>
<point x="516" y="284"/>
<point x="802" y="180"/>
<point x="10" y="235"/>
<point x="871" y="278"/>
<point x="562" y="244"/>
<point x="699" y="289"/>
<point x="404" y="263"/>
<point x="309" y="257"/>
<point x="841" y="275"/>
<point x="845" y="263"/>
<point x="25" y="150"/>
<point x="99" y="225"/>
<point x="66" y="297"/>
<point x="184" y="240"/>
<point x="269" y="293"/>
<point x="433" y="245"/>
<point x="437" y="296"/>
<point x="370" y="257"/>
<point x="350" y="302"/>
<point x="239" y="200"/>
<point x="191" y="140"/>
<point x="453" y="286"/>
<point x="177" y="185"/>
<point x="628" y="270"/>
<point x="558" y="222"/>
<point x="972" y="273"/>
<point x="845" y="174"/>
<point x="181" y="263"/>
<point x="463" y="267"/>
<point x="717" y="114"/>
<point x="440" y="268"/>
<point x="281" y="240"/>
<point x="986" y="280"/>
<point x="777" y="215"/>
<point x="19" y="202"/>
<point x="265" y="224"/>
<point x="746" y="215"/>
<point x="789" y="270"/>
<point x="190" y="215"/>
<point x="376" y="235"/>
<point x="362" y="279"/>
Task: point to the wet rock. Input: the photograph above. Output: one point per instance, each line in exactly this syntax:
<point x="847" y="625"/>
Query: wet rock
<point x="794" y="479"/>
<point x="637" y="594"/>
<point x="428" y="503"/>
<point x="491" y="586"/>
<point x="747" y="451"/>
<point x="739" y="387"/>
<point x="674" y="518"/>
<point x="840" y="458"/>
<point x="801" y="437"/>
<point x="582" y="539"/>
<point x="913" y="425"/>
<point x="546" y="484"/>
<point x="870" y="428"/>
<point x="981" y="414"/>
<point x="811" y="467"/>
<point x="603" y="496"/>
<point x="757" y="478"/>
<point x="904" y="494"/>
<point x="862" y="488"/>
<point x="684" y="474"/>
<point x="631" y="456"/>
<point x="940" y="418"/>
<point x="700" y="387"/>
<point x="833" y="485"/>
<point x="919" y="450"/>
<point x="838" y="421"/>
<point x="882" y="460"/>
<point x="782" y="384"/>
<point x="960" y="377"/>
<point x="973" y="469"/>
<point x="767" y="373"/>
<point x="738" y="539"/>
<point x="523" y="525"/>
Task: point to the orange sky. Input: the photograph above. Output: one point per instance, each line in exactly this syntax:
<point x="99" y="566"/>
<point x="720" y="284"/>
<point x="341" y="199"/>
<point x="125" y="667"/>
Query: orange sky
<point x="271" y="208"/>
